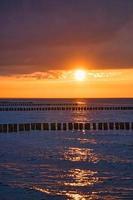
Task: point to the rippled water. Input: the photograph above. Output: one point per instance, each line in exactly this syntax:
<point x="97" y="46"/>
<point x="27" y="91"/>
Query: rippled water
<point x="92" y="165"/>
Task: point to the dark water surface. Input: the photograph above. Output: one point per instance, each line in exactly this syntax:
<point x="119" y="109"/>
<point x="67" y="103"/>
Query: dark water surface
<point x="78" y="165"/>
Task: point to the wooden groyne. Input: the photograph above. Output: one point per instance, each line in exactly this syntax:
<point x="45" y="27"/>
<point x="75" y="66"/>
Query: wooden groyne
<point x="37" y="104"/>
<point x="70" y="126"/>
<point x="64" y="108"/>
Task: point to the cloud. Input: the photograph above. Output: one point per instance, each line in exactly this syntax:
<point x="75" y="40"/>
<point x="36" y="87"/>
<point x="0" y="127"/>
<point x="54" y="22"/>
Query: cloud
<point x="49" y="75"/>
<point x="47" y="35"/>
<point x="92" y="76"/>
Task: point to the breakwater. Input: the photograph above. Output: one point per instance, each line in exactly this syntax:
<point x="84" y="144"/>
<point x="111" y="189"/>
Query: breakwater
<point x="69" y="126"/>
<point x="63" y="108"/>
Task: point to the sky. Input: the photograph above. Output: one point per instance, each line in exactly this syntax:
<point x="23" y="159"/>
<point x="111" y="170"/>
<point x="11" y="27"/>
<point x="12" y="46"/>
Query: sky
<point x="42" y="42"/>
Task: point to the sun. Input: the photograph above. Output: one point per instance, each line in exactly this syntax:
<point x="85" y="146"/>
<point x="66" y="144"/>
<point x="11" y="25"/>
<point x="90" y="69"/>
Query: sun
<point x="80" y="75"/>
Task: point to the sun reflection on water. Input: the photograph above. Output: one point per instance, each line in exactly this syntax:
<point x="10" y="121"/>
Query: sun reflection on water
<point x="71" y="195"/>
<point x="81" y="154"/>
<point x="76" y="196"/>
<point x="78" y="115"/>
<point x="81" y="178"/>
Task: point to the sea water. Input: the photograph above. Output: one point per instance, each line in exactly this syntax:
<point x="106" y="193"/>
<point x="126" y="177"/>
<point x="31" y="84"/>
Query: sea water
<point x="71" y="165"/>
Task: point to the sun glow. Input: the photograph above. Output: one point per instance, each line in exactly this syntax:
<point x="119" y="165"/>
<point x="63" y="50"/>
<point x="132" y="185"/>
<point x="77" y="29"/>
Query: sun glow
<point x="80" y="75"/>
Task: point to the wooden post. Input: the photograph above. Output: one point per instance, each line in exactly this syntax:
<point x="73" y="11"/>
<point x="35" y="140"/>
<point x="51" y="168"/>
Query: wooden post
<point x="27" y="127"/>
<point x="64" y="126"/>
<point x="21" y="127"/>
<point x="100" y="126"/>
<point x="59" y="126"/>
<point x="127" y="125"/>
<point x="45" y="126"/>
<point x="38" y="126"/>
<point x="117" y="126"/>
<point x="94" y="126"/>
<point x="10" y="128"/>
<point x="105" y="126"/>
<point x="1" y="128"/>
<point x="53" y="126"/>
<point x="111" y="126"/>
<point x="81" y="127"/>
<point x="76" y="127"/>
<point x="33" y="126"/>
<point x="4" y="128"/>
<point x="15" y="126"/>
<point x="70" y="126"/>
<point x="87" y="126"/>
<point x="132" y="125"/>
<point x="122" y="127"/>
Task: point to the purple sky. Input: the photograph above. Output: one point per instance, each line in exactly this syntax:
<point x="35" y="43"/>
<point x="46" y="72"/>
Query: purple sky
<point x="41" y="35"/>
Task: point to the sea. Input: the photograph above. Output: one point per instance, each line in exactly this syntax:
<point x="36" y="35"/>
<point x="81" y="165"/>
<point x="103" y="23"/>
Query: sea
<point x="67" y="165"/>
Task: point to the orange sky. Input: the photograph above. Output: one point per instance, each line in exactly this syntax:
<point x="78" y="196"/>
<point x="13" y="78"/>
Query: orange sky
<point x="62" y="84"/>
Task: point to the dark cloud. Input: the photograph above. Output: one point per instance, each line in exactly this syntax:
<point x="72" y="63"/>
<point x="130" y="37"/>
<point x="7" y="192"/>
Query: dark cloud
<point x="47" y="34"/>
<point x="49" y="75"/>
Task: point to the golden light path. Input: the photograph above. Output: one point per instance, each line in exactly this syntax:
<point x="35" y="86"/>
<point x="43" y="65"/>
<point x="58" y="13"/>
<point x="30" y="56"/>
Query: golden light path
<point x="80" y="75"/>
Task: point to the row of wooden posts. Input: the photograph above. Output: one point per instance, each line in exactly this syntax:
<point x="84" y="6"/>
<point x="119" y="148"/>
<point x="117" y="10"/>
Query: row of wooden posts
<point x="38" y="104"/>
<point x="8" y="128"/>
<point x="63" y="108"/>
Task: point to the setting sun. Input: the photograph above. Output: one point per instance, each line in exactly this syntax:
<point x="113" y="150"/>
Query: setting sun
<point x="80" y="75"/>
